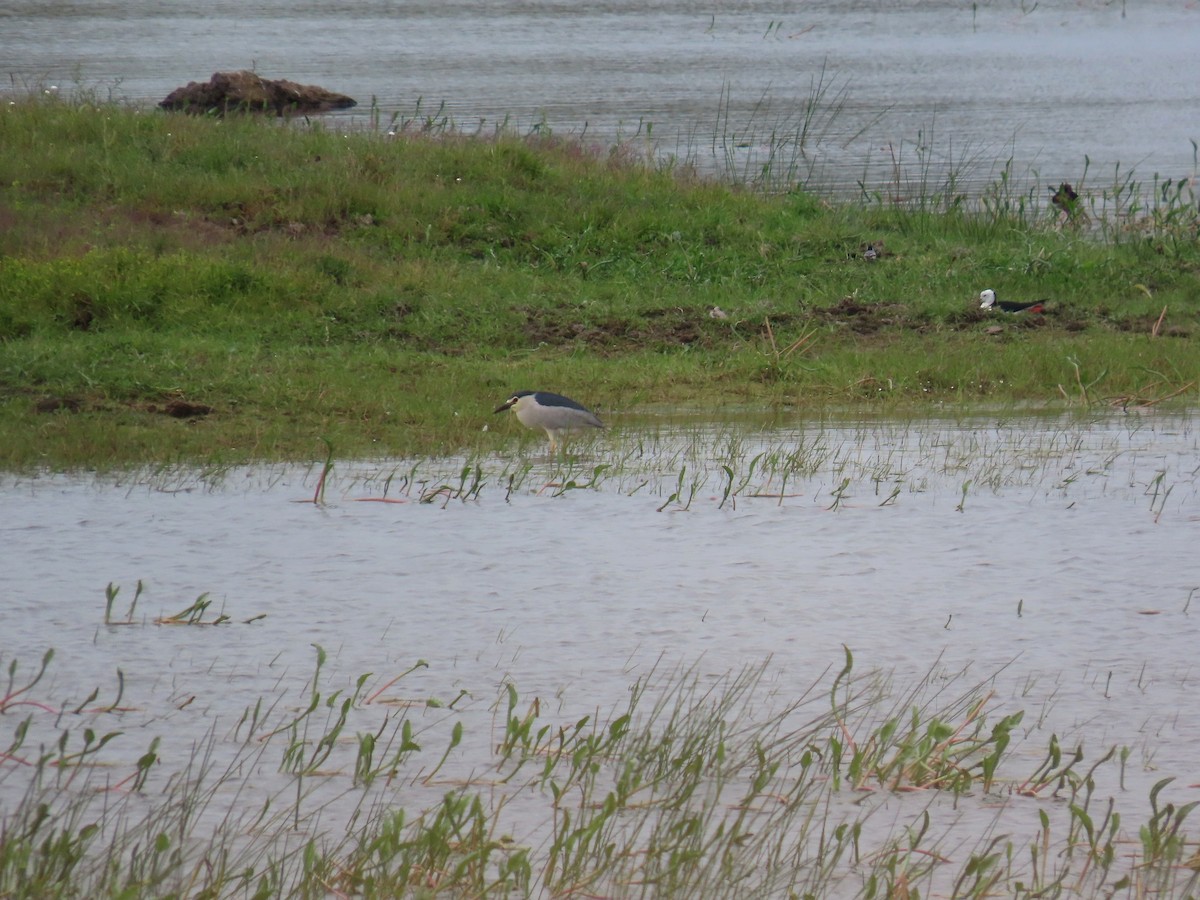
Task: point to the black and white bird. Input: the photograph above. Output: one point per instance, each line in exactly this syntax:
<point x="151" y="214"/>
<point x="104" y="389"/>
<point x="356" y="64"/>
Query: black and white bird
<point x="987" y="300"/>
<point x="553" y="413"/>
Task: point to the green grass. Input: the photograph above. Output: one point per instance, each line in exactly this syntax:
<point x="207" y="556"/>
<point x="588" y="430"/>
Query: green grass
<point x="180" y="288"/>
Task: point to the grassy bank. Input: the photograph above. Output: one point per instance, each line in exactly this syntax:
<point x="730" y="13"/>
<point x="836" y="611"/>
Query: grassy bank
<point x="176" y="288"/>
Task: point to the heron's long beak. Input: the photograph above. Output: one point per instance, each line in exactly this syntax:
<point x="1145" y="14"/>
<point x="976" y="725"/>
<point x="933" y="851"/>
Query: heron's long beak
<point x="503" y="406"/>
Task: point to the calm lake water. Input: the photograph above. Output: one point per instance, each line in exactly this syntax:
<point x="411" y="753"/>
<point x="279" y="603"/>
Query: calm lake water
<point x="895" y="95"/>
<point x="1055" y="557"/>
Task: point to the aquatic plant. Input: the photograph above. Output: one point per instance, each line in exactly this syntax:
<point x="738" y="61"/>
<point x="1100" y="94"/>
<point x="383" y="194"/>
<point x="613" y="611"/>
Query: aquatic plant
<point x="688" y="463"/>
<point x="695" y="785"/>
<point x="110" y="597"/>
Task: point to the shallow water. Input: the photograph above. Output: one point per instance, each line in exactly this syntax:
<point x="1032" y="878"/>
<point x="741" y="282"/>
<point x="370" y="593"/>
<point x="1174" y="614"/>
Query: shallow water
<point x="1055" y="557"/>
<point x="934" y="87"/>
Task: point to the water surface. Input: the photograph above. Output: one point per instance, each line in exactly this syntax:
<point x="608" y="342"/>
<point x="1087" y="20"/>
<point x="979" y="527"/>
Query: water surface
<point x="1053" y="557"/>
<point x="896" y="95"/>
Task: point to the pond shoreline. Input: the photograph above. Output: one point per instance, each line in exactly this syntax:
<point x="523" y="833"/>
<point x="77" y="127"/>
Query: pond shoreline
<point x="224" y="290"/>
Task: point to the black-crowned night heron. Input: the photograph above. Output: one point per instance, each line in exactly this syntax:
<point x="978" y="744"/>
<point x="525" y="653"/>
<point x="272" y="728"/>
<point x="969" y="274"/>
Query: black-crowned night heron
<point x="987" y="300"/>
<point x="553" y="413"/>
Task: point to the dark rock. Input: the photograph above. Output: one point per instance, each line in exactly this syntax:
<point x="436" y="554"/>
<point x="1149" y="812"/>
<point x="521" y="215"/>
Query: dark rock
<point x="247" y="92"/>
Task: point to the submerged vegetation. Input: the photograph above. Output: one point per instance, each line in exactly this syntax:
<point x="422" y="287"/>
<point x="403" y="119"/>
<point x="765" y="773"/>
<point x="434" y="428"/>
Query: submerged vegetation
<point x="178" y="288"/>
<point x="693" y="786"/>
